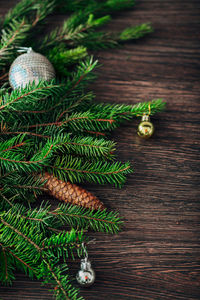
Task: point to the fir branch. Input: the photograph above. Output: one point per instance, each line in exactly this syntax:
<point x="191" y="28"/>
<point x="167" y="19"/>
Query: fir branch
<point x="66" y="243"/>
<point x="21" y="185"/>
<point x="19" y="10"/>
<point x="83" y="74"/>
<point x="103" y="40"/>
<point x="78" y="121"/>
<point x="96" y="7"/>
<point x="14" y="229"/>
<point x="122" y="112"/>
<point x="88" y="121"/>
<point x="79" y="103"/>
<point x="11" y="37"/>
<point x="135" y="32"/>
<point x="13" y="158"/>
<point x="6" y="266"/>
<point x="79" y="217"/>
<point x="24" y="133"/>
<point x="58" y="281"/>
<point x="43" y="9"/>
<point x="34" y="11"/>
<point x="18" y="23"/>
<point x="118" y="5"/>
<point x="79" y="170"/>
<point x="13" y="147"/>
<point x="45" y="127"/>
<point x="47" y="96"/>
<point x="30" y="243"/>
<point x="8" y="201"/>
<point x="87" y="146"/>
<point x="96" y="133"/>
<point x="32" y="93"/>
<point x="73" y="29"/>
<point x="80" y="29"/>
<point x="62" y="58"/>
<point x="25" y="267"/>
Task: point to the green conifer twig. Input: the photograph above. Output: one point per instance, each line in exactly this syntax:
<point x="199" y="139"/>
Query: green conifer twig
<point x="55" y="127"/>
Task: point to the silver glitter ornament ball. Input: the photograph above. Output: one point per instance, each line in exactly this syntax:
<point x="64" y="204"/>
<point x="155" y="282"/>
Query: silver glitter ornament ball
<point x="85" y="276"/>
<point x="29" y="67"/>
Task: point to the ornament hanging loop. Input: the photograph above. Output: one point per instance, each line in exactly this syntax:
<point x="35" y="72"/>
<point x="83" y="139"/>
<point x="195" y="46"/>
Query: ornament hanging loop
<point x="149" y="108"/>
<point x="85" y="251"/>
<point x="24" y="49"/>
<point x="93" y="241"/>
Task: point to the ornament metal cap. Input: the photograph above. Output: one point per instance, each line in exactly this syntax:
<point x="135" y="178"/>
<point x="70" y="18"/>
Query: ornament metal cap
<point x="146" y="118"/>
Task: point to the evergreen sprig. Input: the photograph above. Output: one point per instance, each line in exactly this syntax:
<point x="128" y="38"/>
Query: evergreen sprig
<point x="23" y="244"/>
<point x="86" y="146"/>
<point x="10" y="37"/>
<point x="79" y="170"/>
<point x="18" y="23"/>
<point x="56" y="127"/>
<point x="75" y="35"/>
<point x="78" y="217"/>
<point x="12" y="156"/>
<point x="97" y="7"/>
<point x="35" y="10"/>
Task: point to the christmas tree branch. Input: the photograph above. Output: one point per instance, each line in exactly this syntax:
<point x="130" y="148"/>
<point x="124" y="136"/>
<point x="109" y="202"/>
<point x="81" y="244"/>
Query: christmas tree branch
<point x="45" y="138"/>
<point x="84" y="34"/>
<point x="7" y="269"/>
<point x="28" y="239"/>
<point x="101" y="40"/>
<point x="36" y="10"/>
<point x="86" y="146"/>
<point x="13" y="158"/>
<point x="62" y="58"/>
<point x="78" y="121"/>
<point x="24" y="133"/>
<point x="78" y="170"/>
<point x="18" y="22"/>
<point x="11" y="37"/>
<point x="79" y="217"/>
<point x="125" y="112"/>
<point x="32" y="93"/>
<point x="96" y="7"/>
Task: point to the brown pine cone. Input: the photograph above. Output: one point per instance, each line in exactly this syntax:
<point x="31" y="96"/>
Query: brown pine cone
<point x="70" y="193"/>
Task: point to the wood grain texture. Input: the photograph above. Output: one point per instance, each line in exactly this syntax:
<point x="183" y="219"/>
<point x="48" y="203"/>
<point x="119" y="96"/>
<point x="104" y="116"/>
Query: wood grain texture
<point x="157" y="255"/>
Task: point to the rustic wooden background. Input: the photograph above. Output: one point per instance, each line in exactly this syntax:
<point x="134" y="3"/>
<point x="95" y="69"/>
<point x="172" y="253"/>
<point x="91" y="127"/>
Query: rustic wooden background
<point x="157" y="254"/>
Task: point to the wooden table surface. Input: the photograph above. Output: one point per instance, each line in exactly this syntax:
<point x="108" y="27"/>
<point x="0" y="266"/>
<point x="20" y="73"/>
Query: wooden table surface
<point x="157" y="254"/>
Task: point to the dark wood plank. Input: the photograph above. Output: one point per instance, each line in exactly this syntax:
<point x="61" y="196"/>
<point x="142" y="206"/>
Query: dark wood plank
<point x="157" y="255"/>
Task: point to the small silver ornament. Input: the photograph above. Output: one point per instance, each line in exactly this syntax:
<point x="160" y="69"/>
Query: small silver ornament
<point x="85" y="276"/>
<point x="29" y="67"/>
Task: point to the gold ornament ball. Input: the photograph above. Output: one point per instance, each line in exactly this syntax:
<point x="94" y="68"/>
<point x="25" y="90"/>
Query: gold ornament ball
<point x="145" y="128"/>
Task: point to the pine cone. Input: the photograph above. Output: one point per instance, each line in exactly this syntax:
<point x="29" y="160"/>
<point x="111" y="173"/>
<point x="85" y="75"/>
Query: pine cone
<point x="70" y="193"/>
